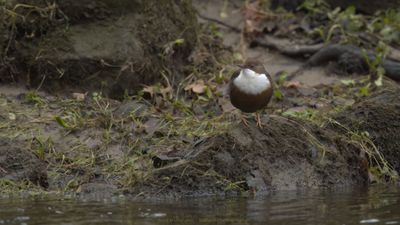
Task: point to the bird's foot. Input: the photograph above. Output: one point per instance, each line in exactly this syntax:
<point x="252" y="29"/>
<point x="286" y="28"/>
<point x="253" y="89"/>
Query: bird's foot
<point x="245" y="121"/>
<point x="258" y="119"/>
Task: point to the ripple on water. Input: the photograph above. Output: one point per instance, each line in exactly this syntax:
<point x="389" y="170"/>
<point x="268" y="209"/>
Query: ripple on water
<point x="355" y="206"/>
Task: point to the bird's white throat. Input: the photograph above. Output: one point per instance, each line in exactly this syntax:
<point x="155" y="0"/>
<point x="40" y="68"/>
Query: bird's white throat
<point x="251" y="82"/>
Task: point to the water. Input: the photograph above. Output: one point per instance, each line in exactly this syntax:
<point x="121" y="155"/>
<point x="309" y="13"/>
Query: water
<point x="380" y="205"/>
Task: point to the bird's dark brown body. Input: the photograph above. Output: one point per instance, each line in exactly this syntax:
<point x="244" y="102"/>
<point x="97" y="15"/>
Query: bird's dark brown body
<point x="248" y="102"/>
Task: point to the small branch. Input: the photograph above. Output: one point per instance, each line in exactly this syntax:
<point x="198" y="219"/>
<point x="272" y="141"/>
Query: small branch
<point x="236" y="29"/>
<point x="287" y="48"/>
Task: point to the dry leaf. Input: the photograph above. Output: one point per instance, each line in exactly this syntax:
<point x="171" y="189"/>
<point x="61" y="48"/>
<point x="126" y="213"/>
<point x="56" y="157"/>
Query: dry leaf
<point x="249" y="26"/>
<point x="149" y="89"/>
<point x="252" y="15"/>
<point x="151" y="126"/>
<point x="12" y="116"/>
<point x="79" y="96"/>
<point x="166" y="92"/>
<point x="197" y="87"/>
<point x="292" y="84"/>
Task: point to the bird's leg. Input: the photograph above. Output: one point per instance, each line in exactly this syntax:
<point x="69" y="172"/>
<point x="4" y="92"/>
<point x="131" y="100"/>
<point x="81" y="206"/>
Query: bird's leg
<point x="258" y="119"/>
<point x="244" y="120"/>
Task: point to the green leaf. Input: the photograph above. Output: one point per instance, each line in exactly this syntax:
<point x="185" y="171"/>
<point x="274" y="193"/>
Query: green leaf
<point x="331" y="30"/>
<point x="378" y="81"/>
<point x="320" y="31"/>
<point x="237" y="56"/>
<point x="290" y="113"/>
<point x="202" y="98"/>
<point x="278" y="94"/>
<point x="348" y="82"/>
<point x="179" y="41"/>
<point x="61" y="122"/>
<point x="380" y="71"/>
<point x="209" y="92"/>
<point x="351" y="10"/>
<point x="282" y="78"/>
<point x="12" y="116"/>
<point x="364" y="91"/>
<point x="333" y="14"/>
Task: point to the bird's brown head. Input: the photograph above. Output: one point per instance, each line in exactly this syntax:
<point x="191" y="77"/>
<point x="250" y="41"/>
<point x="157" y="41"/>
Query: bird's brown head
<point x="254" y="65"/>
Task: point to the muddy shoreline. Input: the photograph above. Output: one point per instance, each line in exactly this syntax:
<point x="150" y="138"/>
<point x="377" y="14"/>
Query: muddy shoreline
<point x="86" y="155"/>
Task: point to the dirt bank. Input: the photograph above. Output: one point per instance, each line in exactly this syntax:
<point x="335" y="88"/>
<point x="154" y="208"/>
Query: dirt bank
<point x="290" y="153"/>
<point x="379" y="117"/>
<point x="286" y="155"/>
<point x="18" y="164"/>
<point x="96" y="45"/>
<point x="98" y="145"/>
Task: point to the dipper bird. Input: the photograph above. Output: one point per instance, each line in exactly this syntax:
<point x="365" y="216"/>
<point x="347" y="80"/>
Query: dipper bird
<point x="251" y="89"/>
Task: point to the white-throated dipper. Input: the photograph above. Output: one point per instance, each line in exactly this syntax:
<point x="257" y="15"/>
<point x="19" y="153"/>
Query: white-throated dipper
<point x="251" y="88"/>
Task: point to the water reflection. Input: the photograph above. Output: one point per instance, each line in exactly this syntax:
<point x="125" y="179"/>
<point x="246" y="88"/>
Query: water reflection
<point x="379" y="205"/>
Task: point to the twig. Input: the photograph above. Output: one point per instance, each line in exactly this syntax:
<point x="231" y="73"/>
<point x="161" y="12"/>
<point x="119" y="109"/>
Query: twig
<point x="284" y="46"/>
<point x="236" y="29"/>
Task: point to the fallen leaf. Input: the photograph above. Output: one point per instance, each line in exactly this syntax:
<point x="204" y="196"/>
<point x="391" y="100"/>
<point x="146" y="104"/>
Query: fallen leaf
<point x="292" y="84"/>
<point x="166" y="92"/>
<point x="12" y="116"/>
<point x="151" y="126"/>
<point x="339" y="101"/>
<point x="348" y="82"/>
<point x="307" y="91"/>
<point x="149" y="89"/>
<point x="294" y="110"/>
<point x="79" y="96"/>
<point x="249" y="27"/>
<point x="237" y="56"/>
<point x="197" y="87"/>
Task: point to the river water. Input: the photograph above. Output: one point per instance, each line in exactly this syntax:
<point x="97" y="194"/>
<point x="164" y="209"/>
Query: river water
<point x="378" y="205"/>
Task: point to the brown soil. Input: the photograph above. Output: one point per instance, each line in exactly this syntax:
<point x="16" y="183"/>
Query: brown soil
<point x="98" y="159"/>
<point x="101" y="45"/>
<point x="286" y="155"/>
<point x="18" y="164"/>
<point x="379" y="116"/>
